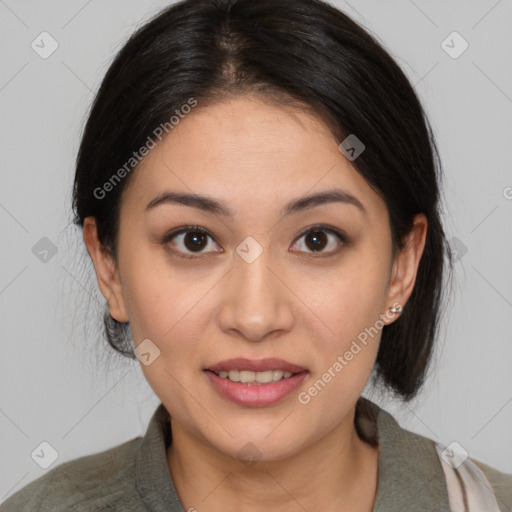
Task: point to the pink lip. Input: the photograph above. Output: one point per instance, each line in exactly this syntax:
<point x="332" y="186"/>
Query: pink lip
<point x="255" y="365"/>
<point x="255" y="395"/>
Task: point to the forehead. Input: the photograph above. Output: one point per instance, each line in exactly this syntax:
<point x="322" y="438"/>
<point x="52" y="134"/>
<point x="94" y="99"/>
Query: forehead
<point x="248" y="153"/>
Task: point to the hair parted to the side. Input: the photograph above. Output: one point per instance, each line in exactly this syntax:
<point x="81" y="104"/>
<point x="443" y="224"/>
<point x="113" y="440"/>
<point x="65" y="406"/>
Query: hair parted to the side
<point x="309" y="55"/>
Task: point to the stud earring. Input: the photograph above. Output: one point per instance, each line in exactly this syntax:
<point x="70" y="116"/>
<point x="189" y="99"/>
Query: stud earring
<point x="396" y="309"/>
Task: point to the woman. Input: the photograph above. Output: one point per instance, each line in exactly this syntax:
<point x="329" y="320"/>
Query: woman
<point x="258" y="189"/>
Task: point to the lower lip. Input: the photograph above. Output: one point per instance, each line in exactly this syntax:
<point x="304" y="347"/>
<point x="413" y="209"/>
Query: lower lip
<point x="255" y="395"/>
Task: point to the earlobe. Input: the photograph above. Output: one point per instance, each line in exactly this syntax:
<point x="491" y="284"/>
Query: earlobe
<point x="405" y="266"/>
<point x="106" y="271"/>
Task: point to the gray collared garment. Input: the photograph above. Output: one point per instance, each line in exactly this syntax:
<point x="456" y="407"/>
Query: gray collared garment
<point x="134" y="476"/>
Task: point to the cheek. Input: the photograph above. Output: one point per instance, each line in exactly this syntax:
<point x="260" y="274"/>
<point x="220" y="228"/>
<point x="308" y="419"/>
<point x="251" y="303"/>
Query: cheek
<point x="159" y="311"/>
<point x="347" y="341"/>
<point x="347" y="298"/>
<point x="164" y="305"/>
<point x="170" y="314"/>
<point x="342" y="313"/>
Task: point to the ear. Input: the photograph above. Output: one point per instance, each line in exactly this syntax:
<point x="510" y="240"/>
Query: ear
<point x="106" y="271"/>
<point x="405" y="265"/>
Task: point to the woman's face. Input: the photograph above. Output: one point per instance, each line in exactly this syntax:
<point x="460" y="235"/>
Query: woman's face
<point x="254" y="286"/>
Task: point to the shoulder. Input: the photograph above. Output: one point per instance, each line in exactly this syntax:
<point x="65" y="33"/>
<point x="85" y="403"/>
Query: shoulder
<point x="92" y="482"/>
<point x="407" y="456"/>
<point x="501" y="483"/>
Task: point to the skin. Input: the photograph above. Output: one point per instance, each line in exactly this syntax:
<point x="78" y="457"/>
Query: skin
<point x="301" y="306"/>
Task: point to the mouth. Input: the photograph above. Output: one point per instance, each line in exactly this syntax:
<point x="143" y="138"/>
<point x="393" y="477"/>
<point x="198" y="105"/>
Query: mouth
<point x="255" y="383"/>
<point x="255" y="371"/>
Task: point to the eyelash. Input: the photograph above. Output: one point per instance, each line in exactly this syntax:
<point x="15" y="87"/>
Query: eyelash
<point x="317" y="227"/>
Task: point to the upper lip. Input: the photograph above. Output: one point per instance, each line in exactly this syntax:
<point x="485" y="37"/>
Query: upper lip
<point x="255" y="365"/>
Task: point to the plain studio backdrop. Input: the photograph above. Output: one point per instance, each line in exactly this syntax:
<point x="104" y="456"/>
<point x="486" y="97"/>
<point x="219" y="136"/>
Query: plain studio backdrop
<point x="57" y="383"/>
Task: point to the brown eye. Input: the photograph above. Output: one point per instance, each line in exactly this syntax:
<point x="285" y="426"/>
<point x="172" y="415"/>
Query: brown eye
<point x="190" y="240"/>
<point x="319" y="239"/>
<point x="316" y="240"/>
<point x="195" y="240"/>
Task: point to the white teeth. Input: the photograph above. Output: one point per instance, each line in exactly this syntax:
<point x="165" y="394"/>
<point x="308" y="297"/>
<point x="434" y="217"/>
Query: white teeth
<point x="246" y="376"/>
<point x="249" y="377"/>
<point x="264" y="377"/>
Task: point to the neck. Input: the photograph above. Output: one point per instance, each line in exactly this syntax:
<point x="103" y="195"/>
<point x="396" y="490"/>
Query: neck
<point x="337" y="472"/>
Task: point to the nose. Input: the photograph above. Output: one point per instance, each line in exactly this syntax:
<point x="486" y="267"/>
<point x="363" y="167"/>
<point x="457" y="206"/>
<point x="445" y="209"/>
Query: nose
<point x="256" y="303"/>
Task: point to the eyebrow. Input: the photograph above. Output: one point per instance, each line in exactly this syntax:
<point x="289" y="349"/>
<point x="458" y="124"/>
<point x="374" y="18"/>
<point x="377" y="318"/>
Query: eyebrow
<point x="211" y="205"/>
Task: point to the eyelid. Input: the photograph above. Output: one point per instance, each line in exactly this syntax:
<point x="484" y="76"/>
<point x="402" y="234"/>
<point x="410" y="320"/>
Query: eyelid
<point x="185" y="229"/>
<point x="324" y="227"/>
<point x="339" y="234"/>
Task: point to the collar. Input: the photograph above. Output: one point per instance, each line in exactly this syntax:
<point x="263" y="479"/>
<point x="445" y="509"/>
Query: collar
<point x="152" y="474"/>
<point x="410" y="476"/>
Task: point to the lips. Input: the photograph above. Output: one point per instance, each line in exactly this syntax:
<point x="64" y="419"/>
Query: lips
<point x="255" y="365"/>
<point x="254" y="395"/>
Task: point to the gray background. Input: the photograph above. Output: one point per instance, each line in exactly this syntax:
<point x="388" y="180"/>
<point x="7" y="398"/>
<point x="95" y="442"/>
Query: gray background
<point x="56" y="383"/>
